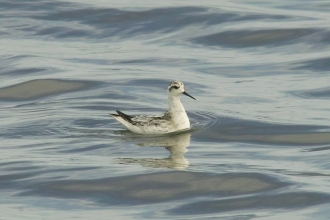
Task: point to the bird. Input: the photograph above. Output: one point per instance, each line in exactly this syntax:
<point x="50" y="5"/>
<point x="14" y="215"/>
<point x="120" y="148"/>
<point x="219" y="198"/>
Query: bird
<point x="173" y="120"/>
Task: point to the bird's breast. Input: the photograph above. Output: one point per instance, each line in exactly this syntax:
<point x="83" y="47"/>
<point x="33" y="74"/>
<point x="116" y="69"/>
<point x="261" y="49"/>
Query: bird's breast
<point x="180" y="120"/>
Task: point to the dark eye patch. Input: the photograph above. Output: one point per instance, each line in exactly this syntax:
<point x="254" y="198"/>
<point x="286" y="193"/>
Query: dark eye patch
<point x="174" y="87"/>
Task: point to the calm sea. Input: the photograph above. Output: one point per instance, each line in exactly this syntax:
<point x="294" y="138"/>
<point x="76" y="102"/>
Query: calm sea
<point x="259" y="147"/>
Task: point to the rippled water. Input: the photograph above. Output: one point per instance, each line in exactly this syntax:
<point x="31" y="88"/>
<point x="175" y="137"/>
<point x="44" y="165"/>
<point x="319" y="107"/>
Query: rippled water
<point x="260" y="140"/>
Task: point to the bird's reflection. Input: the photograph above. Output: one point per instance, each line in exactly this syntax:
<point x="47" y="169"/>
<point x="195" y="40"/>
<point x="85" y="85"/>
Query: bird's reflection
<point x="176" y="144"/>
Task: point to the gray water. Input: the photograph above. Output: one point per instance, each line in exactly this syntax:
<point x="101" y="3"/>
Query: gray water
<point x="259" y="146"/>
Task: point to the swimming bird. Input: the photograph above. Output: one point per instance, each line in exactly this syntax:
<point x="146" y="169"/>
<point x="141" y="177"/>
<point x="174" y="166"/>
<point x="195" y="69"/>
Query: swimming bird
<point x="174" y="119"/>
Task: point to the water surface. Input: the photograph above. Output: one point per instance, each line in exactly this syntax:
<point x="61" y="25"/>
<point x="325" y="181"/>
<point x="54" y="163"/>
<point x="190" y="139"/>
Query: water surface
<point x="260" y="138"/>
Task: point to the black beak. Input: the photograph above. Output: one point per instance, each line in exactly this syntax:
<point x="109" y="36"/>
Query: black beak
<point x="188" y="95"/>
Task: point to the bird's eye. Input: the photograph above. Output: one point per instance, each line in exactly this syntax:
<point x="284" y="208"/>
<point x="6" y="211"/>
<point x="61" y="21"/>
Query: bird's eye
<point x="175" y="87"/>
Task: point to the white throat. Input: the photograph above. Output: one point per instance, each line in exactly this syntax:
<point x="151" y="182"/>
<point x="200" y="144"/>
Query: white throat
<point x="178" y="113"/>
<point x="174" y="104"/>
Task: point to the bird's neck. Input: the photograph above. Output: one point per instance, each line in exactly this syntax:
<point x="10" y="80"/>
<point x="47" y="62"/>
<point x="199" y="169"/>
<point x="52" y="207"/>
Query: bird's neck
<point x="174" y="104"/>
<point x="178" y="113"/>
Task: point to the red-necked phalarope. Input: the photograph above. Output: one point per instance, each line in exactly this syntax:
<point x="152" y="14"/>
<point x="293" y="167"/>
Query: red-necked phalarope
<point x="174" y="119"/>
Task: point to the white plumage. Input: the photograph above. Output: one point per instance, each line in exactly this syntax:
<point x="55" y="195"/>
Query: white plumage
<point x="174" y="119"/>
